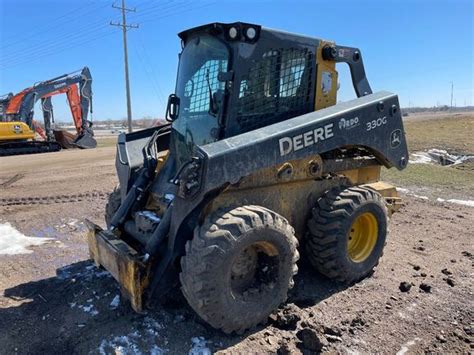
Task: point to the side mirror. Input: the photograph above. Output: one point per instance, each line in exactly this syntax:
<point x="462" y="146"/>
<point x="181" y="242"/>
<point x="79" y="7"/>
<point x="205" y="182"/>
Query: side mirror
<point x="172" y="108"/>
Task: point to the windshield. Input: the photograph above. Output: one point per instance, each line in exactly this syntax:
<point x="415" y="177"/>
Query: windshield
<point x="197" y="85"/>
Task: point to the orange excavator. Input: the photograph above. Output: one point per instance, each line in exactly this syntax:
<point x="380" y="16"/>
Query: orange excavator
<point x="18" y="129"/>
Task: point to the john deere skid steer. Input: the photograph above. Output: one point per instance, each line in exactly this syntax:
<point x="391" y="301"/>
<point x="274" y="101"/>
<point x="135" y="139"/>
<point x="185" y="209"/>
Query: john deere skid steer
<point x="257" y="163"/>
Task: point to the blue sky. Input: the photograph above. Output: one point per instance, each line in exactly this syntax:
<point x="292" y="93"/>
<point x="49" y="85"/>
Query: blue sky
<point x="414" y="48"/>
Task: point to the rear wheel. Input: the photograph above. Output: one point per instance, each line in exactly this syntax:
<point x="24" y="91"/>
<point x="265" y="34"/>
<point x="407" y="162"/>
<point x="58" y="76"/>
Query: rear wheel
<point x="239" y="266"/>
<point x="112" y="205"/>
<point x="347" y="233"/>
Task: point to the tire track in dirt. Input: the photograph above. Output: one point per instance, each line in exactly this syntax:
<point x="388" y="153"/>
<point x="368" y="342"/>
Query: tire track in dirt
<point x="47" y="200"/>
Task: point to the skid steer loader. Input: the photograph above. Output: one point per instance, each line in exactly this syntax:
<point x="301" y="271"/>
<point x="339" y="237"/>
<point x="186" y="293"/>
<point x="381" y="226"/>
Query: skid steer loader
<point x="257" y="163"/>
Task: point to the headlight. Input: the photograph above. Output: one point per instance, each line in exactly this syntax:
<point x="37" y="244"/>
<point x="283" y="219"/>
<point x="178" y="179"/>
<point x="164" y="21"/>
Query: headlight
<point x="251" y="33"/>
<point x="233" y="32"/>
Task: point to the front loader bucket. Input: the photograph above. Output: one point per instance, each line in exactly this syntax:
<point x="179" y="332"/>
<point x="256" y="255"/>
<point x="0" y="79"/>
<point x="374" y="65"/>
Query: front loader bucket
<point x="121" y="260"/>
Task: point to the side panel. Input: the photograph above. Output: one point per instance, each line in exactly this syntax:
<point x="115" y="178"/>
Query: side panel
<point x="10" y="131"/>
<point x="373" y="121"/>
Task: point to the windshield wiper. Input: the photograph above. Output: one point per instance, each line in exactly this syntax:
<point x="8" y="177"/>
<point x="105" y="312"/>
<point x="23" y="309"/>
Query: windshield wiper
<point x="212" y="105"/>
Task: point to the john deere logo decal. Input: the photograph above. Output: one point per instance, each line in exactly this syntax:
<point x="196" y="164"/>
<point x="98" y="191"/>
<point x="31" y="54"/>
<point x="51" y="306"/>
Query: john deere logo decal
<point x="395" y="138"/>
<point x="17" y="129"/>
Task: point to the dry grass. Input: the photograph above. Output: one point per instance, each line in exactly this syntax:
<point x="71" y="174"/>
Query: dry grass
<point x="452" y="133"/>
<point x="106" y="141"/>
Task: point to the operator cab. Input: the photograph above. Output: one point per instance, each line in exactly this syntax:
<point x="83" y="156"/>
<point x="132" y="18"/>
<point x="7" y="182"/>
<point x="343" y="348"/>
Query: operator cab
<point x="275" y="80"/>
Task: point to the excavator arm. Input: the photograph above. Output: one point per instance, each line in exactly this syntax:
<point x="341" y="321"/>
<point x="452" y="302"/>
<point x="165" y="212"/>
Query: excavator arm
<point x="80" y="103"/>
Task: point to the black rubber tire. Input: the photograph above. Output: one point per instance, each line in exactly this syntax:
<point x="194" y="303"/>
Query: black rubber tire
<point x="113" y="204"/>
<point x="328" y="231"/>
<point x="209" y="263"/>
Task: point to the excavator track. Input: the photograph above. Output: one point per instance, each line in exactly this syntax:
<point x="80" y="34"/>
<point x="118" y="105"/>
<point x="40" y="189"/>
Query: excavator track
<point x="18" y="148"/>
<point x="47" y="200"/>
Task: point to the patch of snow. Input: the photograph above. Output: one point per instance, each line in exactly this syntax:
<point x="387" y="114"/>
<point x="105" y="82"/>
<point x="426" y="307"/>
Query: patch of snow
<point x="199" y="347"/>
<point x="405" y="347"/>
<point x="152" y="326"/>
<point x="408" y="192"/>
<point x="13" y="242"/>
<point x="137" y="341"/>
<point x="439" y="156"/>
<point x="469" y="203"/>
<point x="122" y="345"/>
<point x="72" y="223"/>
<point x="420" y="158"/>
<point x="155" y="350"/>
<point x="115" y="302"/>
<point x="89" y="272"/>
<point x="86" y="308"/>
<point x="128" y="345"/>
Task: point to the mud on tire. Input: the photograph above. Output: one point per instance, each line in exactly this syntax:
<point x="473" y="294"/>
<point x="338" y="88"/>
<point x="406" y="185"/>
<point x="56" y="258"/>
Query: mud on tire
<point x="113" y="204"/>
<point x="239" y="266"/>
<point x="331" y="228"/>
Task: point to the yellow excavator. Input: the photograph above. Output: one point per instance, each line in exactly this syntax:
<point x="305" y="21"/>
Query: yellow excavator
<point x="18" y="129"/>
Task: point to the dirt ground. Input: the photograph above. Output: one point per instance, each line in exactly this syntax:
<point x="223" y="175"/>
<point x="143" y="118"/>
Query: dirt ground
<point x="55" y="301"/>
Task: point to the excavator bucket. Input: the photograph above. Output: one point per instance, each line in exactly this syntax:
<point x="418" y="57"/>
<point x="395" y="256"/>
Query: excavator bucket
<point x="64" y="138"/>
<point x="68" y="140"/>
<point x="85" y="141"/>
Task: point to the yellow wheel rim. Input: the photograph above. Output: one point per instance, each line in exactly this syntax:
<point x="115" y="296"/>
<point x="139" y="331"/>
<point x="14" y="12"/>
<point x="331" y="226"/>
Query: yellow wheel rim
<point x="362" y="237"/>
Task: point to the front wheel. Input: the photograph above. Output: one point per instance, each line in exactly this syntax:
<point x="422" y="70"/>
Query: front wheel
<point x="239" y="266"/>
<point x="347" y="233"/>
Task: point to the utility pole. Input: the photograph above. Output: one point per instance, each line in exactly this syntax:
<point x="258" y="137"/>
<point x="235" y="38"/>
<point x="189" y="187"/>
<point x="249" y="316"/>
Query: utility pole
<point x="452" y="87"/>
<point x="125" y="52"/>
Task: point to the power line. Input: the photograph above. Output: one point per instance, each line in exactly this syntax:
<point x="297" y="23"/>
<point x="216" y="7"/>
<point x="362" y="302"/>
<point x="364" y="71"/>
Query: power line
<point x="65" y="42"/>
<point x="56" y="51"/>
<point x="125" y="27"/>
<point x="66" y="39"/>
<point x="188" y="9"/>
<point x="159" y="8"/>
<point x="154" y="76"/>
<point x="149" y="75"/>
<point x="67" y="18"/>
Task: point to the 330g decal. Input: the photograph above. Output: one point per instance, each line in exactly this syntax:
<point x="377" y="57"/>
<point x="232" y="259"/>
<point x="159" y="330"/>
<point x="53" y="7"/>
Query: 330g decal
<point x="376" y="123"/>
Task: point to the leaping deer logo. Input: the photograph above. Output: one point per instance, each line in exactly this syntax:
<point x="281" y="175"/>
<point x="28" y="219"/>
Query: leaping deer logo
<point x="395" y="138"/>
